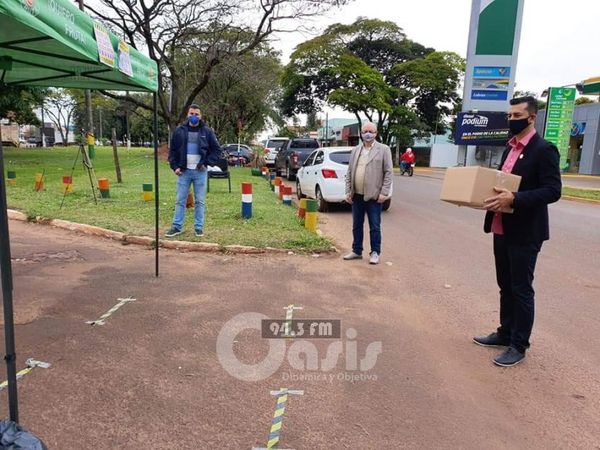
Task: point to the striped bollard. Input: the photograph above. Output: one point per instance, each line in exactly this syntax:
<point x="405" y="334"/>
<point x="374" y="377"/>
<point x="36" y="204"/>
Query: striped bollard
<point x="104" y="187"/>
<point x="310" y="216"/>
<point x="281" y="190"/>
<point x="246" y="200"/>
<point x="277" y="183"/>
<point x="302" y="208"/>
<point x="39" y="182"/>
<point x="90" y="144"/>
<point x="148" y="192"/>
<point x="265" y="171"/>
<point x="287" y="195"/>
<point x="12" y="178"/>
<point x="272" y="181"/>
<point x="67" y="184"/>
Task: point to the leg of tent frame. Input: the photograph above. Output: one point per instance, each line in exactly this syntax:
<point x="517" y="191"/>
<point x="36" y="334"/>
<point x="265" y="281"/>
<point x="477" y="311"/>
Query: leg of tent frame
<point x="156" y="190"/>
<point x="7" y="287"/>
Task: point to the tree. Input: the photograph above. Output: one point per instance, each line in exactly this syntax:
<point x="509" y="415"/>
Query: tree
<point x="60" y="106"/>
<point x="17" y="104"/>
<point x="583" y="101"/>
<point x="370" y="68"/>
<point x="215" y="29"/>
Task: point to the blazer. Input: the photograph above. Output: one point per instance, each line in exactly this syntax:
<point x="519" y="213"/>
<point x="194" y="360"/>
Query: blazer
<point x="378" y="173"/>
<point x="541" y="185"/>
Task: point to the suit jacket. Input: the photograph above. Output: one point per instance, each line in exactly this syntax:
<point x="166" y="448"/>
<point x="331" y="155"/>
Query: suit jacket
<point x="540" y="185"/>
<point x="378" y="173"/>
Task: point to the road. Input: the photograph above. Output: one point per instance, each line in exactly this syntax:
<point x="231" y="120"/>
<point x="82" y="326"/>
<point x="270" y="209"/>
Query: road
<point x="151" y="375"/>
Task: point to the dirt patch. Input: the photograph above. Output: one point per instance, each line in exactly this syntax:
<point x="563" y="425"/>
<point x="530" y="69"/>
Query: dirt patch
<point x="66" y="256"/>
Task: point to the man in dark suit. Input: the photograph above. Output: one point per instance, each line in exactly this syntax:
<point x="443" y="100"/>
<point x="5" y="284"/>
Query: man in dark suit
<point x="518" y="236"/>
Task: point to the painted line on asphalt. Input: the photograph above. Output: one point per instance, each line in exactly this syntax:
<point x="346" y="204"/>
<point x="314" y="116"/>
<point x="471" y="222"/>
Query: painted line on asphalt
<point x="110" y="312"/>
<point x="288" y="332"/>
<point x="31" y="364"/>
<point x="274" y="435"/>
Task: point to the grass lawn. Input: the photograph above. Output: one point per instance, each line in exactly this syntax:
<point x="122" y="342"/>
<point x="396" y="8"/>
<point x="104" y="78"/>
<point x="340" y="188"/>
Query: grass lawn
<point x="272" y="224"/>
<point x="593" y="194"/>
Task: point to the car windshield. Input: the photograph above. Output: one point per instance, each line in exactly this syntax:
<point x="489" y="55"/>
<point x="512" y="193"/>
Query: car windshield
<point x="309" y="143"/>
<point x="340" y="157"/>
<point x="273" y="143"/>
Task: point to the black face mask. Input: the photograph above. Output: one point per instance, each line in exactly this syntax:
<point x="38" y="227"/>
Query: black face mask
<point x="518" y="125"/>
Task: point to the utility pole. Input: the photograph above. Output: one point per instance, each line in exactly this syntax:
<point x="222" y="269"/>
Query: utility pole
<point x="43" y="136"/>
<point x="100" y="122"/>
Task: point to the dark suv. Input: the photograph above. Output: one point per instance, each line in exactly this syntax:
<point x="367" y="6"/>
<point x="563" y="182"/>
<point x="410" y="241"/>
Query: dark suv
<point x="292" y="155"/>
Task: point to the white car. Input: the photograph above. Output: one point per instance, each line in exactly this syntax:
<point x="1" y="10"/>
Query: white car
<point x="323" y="177"/>
<point x="272" y="147"/>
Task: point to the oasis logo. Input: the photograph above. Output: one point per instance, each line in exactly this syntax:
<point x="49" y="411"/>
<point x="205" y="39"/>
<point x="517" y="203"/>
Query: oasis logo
<point x="475" y="120"/>
<point x="30" y="7"/>
<point x="302" y="355"/>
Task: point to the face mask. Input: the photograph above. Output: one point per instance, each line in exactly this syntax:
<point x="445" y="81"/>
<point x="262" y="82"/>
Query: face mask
<point x="194" y="120"/>
<point x="518" y="125"/>
<point x="368" y="137"/>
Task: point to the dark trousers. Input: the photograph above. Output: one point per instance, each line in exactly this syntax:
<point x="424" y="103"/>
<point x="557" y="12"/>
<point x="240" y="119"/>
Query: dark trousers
<point x="515" y="265"/>
<point x="373" y="211"/>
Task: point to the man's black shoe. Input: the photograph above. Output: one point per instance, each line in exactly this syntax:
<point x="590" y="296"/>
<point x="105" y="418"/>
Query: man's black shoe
<point x="510" y="357"/>
<point x="173" y="232"/>
<point x="491" y="340"/>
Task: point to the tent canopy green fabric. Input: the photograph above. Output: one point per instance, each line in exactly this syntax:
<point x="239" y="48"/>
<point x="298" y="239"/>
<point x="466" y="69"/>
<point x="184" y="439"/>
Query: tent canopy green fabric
<point x="53" y="43"/>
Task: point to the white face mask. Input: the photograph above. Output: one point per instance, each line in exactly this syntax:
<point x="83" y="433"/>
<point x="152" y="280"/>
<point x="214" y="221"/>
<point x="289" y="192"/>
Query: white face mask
<point x="368" y="136"/>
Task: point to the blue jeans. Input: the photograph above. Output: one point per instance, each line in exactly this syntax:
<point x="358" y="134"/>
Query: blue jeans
<point x="515" y="266"/>
<point x="373" y="211"/>
<point x="187" y="178"/>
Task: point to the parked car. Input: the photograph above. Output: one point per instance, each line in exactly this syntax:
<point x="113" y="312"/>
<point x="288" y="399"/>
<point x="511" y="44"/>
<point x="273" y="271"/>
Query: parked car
<point x="272" y="147"/>
<point x="245" y="154"/>
<point x="323" y="177"/>
<point x="293" y="154"/>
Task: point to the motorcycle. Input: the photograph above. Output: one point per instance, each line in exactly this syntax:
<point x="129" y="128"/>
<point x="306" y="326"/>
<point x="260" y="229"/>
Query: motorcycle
<point x="408" y="168"/>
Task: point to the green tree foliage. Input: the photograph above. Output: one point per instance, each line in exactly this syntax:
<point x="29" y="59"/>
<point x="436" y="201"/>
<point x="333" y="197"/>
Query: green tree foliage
<point x="17" y="104"/>
<point x="216" y="29"/>
<point x="370" y="68"/>
<point x="583" y="101"/>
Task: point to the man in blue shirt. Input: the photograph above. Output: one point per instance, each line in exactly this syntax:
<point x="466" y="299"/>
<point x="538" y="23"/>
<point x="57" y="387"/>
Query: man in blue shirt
<point x="193" y="147"/>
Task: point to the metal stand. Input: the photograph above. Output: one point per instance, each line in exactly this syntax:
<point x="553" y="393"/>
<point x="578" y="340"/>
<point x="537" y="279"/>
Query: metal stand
<point x="87" y="165"/>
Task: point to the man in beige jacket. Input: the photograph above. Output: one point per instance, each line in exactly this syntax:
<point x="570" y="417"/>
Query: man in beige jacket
<point x="368" y="185"/>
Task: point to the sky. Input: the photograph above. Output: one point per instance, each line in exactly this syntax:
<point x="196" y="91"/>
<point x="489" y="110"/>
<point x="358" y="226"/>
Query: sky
<point x="560" y="40"/>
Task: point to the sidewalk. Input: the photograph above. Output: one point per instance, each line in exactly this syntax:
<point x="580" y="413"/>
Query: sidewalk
<point x="569" y="180"/>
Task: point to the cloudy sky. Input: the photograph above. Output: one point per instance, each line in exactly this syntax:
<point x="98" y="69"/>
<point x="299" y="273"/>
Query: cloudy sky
<point x="560" y="41"/>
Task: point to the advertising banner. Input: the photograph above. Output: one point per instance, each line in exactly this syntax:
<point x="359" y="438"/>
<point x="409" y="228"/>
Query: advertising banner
<point x="483" y="128"/>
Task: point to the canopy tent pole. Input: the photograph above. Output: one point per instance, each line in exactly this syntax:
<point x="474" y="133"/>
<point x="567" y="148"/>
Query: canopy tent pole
<point x="156" y="200"/>
<point x="9" y="325"/>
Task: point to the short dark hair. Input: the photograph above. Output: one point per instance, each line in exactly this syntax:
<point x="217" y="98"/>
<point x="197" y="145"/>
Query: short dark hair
<point x="532" y="104"/>
<point x="194" y="106"/>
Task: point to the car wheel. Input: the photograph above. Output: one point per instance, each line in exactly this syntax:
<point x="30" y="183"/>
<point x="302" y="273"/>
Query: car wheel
<point x="322" y="205"/>
<point x="387" y="204"/>
<point x="299" y="193"/>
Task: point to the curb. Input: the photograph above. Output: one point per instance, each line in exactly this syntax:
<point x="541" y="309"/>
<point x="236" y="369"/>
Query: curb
<point x="205" y="247"/>
<point x="580" y="200"/>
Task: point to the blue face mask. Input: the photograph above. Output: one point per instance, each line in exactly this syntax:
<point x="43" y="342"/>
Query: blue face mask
<point x="368" y="137"/>
<point x="193" y="120"/>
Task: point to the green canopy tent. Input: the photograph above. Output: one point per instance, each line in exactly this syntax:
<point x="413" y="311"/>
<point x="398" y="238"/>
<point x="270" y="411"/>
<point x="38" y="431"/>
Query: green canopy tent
<point x="52" y="43"/>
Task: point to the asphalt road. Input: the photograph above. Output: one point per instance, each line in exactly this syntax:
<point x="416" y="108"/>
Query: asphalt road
<point x="151" y="377"/>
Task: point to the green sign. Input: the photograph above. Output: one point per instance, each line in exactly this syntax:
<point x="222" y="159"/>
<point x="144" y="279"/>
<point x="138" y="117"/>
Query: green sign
<point x="497" y="26"/>
<point x="559" y="120"/>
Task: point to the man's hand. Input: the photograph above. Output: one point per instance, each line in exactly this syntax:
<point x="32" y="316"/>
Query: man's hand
<point x="503" y="200"/>
<point x="381" y="199"/>
<point x="178" y="171"/>
<point x="349" y="199"/>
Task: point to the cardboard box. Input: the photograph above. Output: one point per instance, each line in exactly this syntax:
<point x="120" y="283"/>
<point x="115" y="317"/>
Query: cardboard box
<point x="470" y="186"/>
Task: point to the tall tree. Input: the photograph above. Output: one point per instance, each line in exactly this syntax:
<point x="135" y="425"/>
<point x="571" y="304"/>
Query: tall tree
<point x="165" y="27"/>
<point x="60" y="107"/>
<point x="370" y="68"/>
